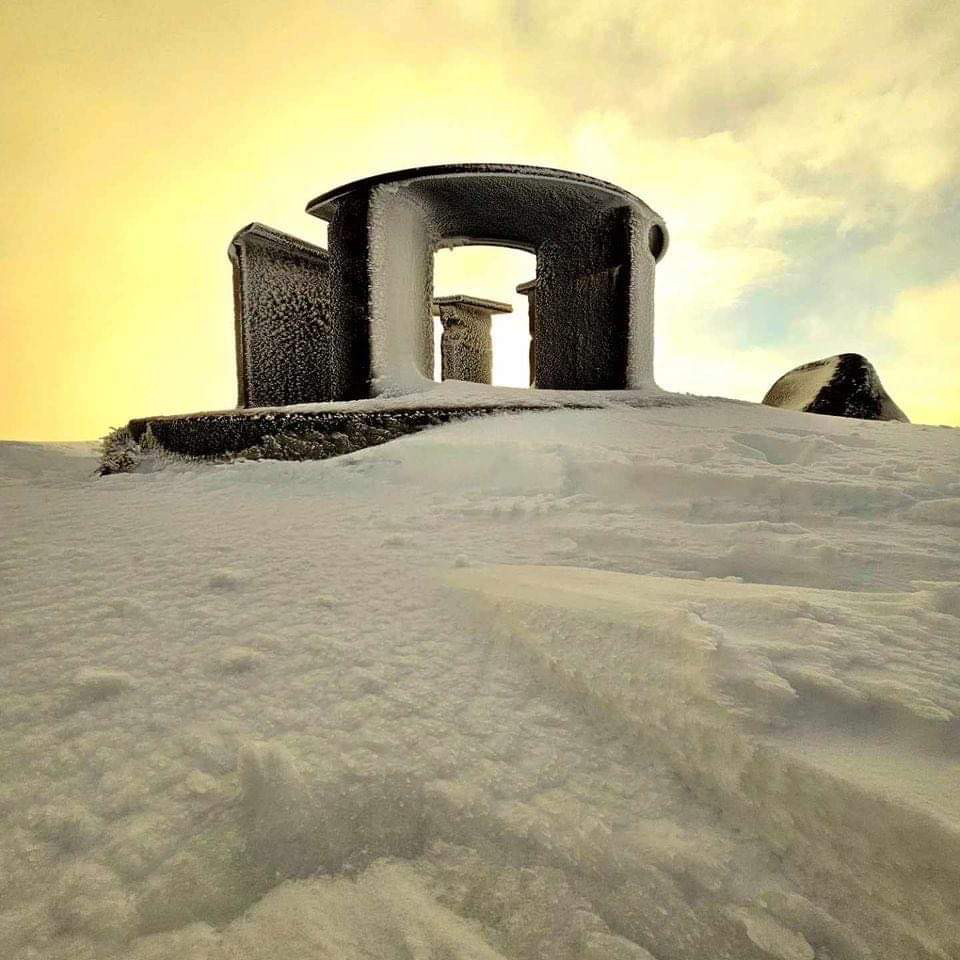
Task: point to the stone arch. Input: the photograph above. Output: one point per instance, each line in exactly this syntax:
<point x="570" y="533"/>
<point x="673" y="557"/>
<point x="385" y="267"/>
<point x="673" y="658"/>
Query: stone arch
<point x="596" y="247"/>
<point x="355" y="320"/>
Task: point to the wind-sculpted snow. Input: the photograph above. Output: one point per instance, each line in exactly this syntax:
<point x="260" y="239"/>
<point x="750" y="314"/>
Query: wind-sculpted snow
<point x="613" y="684"/>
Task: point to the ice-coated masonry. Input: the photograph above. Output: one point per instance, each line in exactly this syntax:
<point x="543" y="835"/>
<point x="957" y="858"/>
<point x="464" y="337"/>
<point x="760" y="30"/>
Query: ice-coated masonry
<point x="466" y="344"/>
<point x="285" y="346"/>
<point x="355" y="321"/>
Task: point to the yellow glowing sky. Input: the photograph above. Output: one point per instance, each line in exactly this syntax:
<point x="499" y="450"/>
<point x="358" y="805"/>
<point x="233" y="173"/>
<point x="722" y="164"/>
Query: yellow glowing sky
<point x="804" y="154"/>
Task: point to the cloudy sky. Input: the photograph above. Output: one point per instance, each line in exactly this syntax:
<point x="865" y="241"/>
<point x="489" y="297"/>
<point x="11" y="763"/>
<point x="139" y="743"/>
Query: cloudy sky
<point x="805" y="155"/>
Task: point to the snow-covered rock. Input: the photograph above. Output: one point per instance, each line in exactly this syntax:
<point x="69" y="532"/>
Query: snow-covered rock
<point x="677" y="682"/>
<point x="846" y="385"/>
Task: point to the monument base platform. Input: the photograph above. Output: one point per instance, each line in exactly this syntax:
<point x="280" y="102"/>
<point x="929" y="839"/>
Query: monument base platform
<point x="317" y="432"/>
<point x="295" y="435"/>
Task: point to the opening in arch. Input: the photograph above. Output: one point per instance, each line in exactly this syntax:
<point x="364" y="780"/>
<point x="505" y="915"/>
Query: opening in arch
<point x="472" y="286"/>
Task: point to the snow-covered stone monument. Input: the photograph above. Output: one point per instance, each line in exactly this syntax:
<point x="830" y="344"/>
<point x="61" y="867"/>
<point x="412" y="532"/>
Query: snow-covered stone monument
<point x="355" y="321"/>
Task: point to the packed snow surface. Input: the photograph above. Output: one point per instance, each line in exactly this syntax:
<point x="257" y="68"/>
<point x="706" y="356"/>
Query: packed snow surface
<point x="609" y="684"/>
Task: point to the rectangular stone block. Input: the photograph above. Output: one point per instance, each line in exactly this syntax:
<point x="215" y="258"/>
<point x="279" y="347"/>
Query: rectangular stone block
<point x="281" y="307"/>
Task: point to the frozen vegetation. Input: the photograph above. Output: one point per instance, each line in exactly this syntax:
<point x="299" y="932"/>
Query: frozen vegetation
<point x="679" y="683"/>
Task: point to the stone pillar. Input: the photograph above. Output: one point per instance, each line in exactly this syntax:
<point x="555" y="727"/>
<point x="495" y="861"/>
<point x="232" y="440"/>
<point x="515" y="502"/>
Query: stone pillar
<point x="466" y="346"/>
<point x="282" y="319"/>
<point x="595" y="303"/>
<point x="381" y="246"/>
<point x="529" y="290"/>
<point x="348" y="240"/>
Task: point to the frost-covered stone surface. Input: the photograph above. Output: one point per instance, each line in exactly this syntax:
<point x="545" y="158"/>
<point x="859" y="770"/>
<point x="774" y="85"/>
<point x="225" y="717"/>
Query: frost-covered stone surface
<point x="284" y="337"/>
<point x="846" y="385"/>
<point x="596" y="246"/>
<point x="678" y="683"/>
<point x="466" y="345"/>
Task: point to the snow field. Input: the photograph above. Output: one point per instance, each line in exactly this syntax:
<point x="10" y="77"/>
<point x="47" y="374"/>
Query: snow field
<point x="670" y="683"/>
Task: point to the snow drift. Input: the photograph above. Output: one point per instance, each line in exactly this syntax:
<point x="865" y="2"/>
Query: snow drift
<point x="622" y="683"/>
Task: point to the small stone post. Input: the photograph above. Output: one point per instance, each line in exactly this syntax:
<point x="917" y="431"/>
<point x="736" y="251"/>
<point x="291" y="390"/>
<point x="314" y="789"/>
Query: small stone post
<point x="529" y="290"/>
<point x="466" y="348"/>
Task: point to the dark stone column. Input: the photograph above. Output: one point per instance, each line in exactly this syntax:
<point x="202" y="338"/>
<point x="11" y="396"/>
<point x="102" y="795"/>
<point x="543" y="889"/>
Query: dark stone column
<point x="593" y="284"/>
<point x="282" y="319"/>
<point x="466" y="346"/>
<point x="348" y="239"/>
<point x="529" y="290"/>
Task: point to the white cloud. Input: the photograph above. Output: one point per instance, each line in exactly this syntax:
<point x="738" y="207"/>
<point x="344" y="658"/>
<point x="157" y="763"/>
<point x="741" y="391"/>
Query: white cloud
<point x="924" y="363"/>
<point x="135" y="141"/>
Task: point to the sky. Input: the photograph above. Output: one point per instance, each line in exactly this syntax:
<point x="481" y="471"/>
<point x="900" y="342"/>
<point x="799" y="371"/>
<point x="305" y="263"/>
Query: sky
<point x="805" y="156"/>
